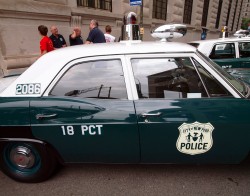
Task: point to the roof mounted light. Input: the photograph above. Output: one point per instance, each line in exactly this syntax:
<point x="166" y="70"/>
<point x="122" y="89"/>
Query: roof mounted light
<point x="241" y="33"/>
<point x="130" y="28"/>
<point x="169" y="31"/>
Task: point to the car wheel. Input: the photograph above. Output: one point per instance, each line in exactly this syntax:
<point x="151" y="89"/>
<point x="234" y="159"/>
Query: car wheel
<point x="27" y="162"/>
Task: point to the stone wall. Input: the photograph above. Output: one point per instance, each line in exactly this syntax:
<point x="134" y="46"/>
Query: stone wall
<point x="19" y="19"/>
<point x="19" y="37"/>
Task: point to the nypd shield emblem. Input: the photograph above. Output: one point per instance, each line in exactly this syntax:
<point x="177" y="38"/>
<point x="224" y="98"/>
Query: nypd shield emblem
<point x="195" y="138"/>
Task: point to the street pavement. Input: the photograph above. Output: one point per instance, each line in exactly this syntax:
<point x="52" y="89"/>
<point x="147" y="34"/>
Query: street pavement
<point x="137" y="180"/>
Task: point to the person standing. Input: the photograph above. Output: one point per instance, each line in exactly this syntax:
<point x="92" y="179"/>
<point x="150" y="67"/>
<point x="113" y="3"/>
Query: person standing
<point x="95" y="34"/>
<point x="75" y="38"/>
<point x="57" y="39"/>
<point x="46" y="45"/>
<point x="109" y="38"/>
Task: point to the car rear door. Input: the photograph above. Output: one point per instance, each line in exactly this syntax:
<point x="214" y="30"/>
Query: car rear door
<point x="87" y="114"/>
<point x="185" y="115"/>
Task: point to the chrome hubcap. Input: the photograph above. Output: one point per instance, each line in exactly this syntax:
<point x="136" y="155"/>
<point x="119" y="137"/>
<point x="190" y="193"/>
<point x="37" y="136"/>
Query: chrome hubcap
<point x="22" y="157"/>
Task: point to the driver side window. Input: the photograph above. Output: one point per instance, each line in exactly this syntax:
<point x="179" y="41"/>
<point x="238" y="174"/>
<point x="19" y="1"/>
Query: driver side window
<point x="167" y="78"/>
<point x="244" y="49"/>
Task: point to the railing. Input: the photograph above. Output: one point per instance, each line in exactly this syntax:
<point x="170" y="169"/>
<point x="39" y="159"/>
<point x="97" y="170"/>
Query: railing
<point x="98" y="4"/>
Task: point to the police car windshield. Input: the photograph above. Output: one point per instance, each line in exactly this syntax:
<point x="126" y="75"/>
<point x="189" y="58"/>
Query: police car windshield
<point x="237" y="84"/>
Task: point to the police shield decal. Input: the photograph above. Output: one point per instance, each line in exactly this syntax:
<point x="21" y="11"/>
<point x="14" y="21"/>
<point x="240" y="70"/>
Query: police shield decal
<point x="195" y="138"/>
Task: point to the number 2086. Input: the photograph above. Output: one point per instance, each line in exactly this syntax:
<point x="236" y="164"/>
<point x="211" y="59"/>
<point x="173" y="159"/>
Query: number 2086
<point x="27" y="89"/>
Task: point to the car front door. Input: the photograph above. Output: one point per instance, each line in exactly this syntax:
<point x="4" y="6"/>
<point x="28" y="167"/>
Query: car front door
<point x="244" y="60"/>
<point x="244" y="54"/>
<point x="87" y="115"/>
<point x="185" y="115"/>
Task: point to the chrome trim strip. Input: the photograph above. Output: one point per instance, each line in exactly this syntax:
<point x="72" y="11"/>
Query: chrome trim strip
<point x="21" y="140"/>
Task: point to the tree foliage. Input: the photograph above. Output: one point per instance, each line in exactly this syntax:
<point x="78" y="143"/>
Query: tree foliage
<point x="245" y="23"/>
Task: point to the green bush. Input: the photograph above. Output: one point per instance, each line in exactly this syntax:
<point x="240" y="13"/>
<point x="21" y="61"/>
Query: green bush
<point x="245" y="23"/>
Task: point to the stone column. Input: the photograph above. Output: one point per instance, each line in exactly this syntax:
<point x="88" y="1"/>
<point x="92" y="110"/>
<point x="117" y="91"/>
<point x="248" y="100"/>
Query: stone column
<point x="175" y="11"/>
<point x="3" y="68"/>
<point x="76" y="21"/>
<point x="197" y="13"/>
<point x="238" y="15"/>
<point x="212" y="14"/>
<point x="223" y="16"/>
<point x="231" y="15"/>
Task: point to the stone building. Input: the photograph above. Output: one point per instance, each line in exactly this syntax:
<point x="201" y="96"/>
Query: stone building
<point x="246" y="9"/>
<point x="19" y="19"/>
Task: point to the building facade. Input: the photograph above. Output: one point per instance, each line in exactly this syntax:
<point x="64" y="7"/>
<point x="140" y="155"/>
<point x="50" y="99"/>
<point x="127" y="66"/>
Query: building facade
<point x="246" y="9"/>
<point x="19" y="19"/>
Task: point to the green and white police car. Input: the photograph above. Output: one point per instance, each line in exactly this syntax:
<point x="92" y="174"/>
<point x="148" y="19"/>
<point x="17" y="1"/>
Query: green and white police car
<point x="128" y="102"/>
<point x="232" y="54"/>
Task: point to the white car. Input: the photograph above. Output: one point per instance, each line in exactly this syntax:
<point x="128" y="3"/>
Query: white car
<point x="233" y="54"/>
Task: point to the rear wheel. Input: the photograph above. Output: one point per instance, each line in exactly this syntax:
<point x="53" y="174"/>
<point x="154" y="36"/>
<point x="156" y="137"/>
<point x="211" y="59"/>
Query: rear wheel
<point x="27" y="162"/>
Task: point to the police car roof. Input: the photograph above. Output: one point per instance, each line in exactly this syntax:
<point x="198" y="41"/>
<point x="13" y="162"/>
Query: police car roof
<point x="228" y="39"/>
<point x="124" y="47"/>
<point x="47" y="67"/>
<point x="58" y="58"/>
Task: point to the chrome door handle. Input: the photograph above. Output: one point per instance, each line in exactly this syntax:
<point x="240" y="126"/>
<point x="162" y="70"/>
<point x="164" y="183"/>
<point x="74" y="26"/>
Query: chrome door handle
<point x="144" y="115"/>
<point x="42" y="116"/>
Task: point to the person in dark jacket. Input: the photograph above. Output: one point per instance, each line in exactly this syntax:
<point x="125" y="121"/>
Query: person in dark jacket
<point x="75" y="38"/>
<point x="95" y="34"/>
<point x="57" y="39"/>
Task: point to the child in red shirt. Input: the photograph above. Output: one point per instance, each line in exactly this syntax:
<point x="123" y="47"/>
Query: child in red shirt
<point x="46" y="44"/>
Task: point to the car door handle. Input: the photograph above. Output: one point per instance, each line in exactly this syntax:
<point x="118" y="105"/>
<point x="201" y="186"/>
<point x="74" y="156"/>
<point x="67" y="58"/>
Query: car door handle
<point x="144" y="115"/>
<point x="42" y="116"/>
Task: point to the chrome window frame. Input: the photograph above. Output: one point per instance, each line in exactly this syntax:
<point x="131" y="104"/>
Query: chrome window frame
<point x="207" y="67"/>
<point x="88" y="59"/>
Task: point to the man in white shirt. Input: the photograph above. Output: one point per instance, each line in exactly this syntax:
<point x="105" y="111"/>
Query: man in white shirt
<point x="109" y="38"/>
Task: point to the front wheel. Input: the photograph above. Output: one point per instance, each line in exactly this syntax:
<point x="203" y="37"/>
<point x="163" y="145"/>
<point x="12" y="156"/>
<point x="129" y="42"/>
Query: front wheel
<point x="27" y="162"/>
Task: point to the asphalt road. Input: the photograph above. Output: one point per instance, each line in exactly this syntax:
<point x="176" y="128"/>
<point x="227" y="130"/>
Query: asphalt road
<point x="136" y="180"/>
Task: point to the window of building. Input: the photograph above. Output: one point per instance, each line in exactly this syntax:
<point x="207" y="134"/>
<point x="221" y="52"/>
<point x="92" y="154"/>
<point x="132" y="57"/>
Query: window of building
<point x="223" y="51"/>
<point x="218" y="14"/>
<point x="188" y="11"/>
<point x="95" y="79"/>
<point x="205" y="13"/>
<point x="160" y="9"/>
<point x="98" y="4"/>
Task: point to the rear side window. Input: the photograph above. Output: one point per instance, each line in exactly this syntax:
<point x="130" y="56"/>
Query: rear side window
<point x="223" y="51"/>
<point x="95" y="79"/>
<point x="244" y="49"/>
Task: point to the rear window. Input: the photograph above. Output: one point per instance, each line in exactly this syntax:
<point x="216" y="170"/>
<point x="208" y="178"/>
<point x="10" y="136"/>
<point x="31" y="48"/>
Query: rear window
<point x="223" y="51"/>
